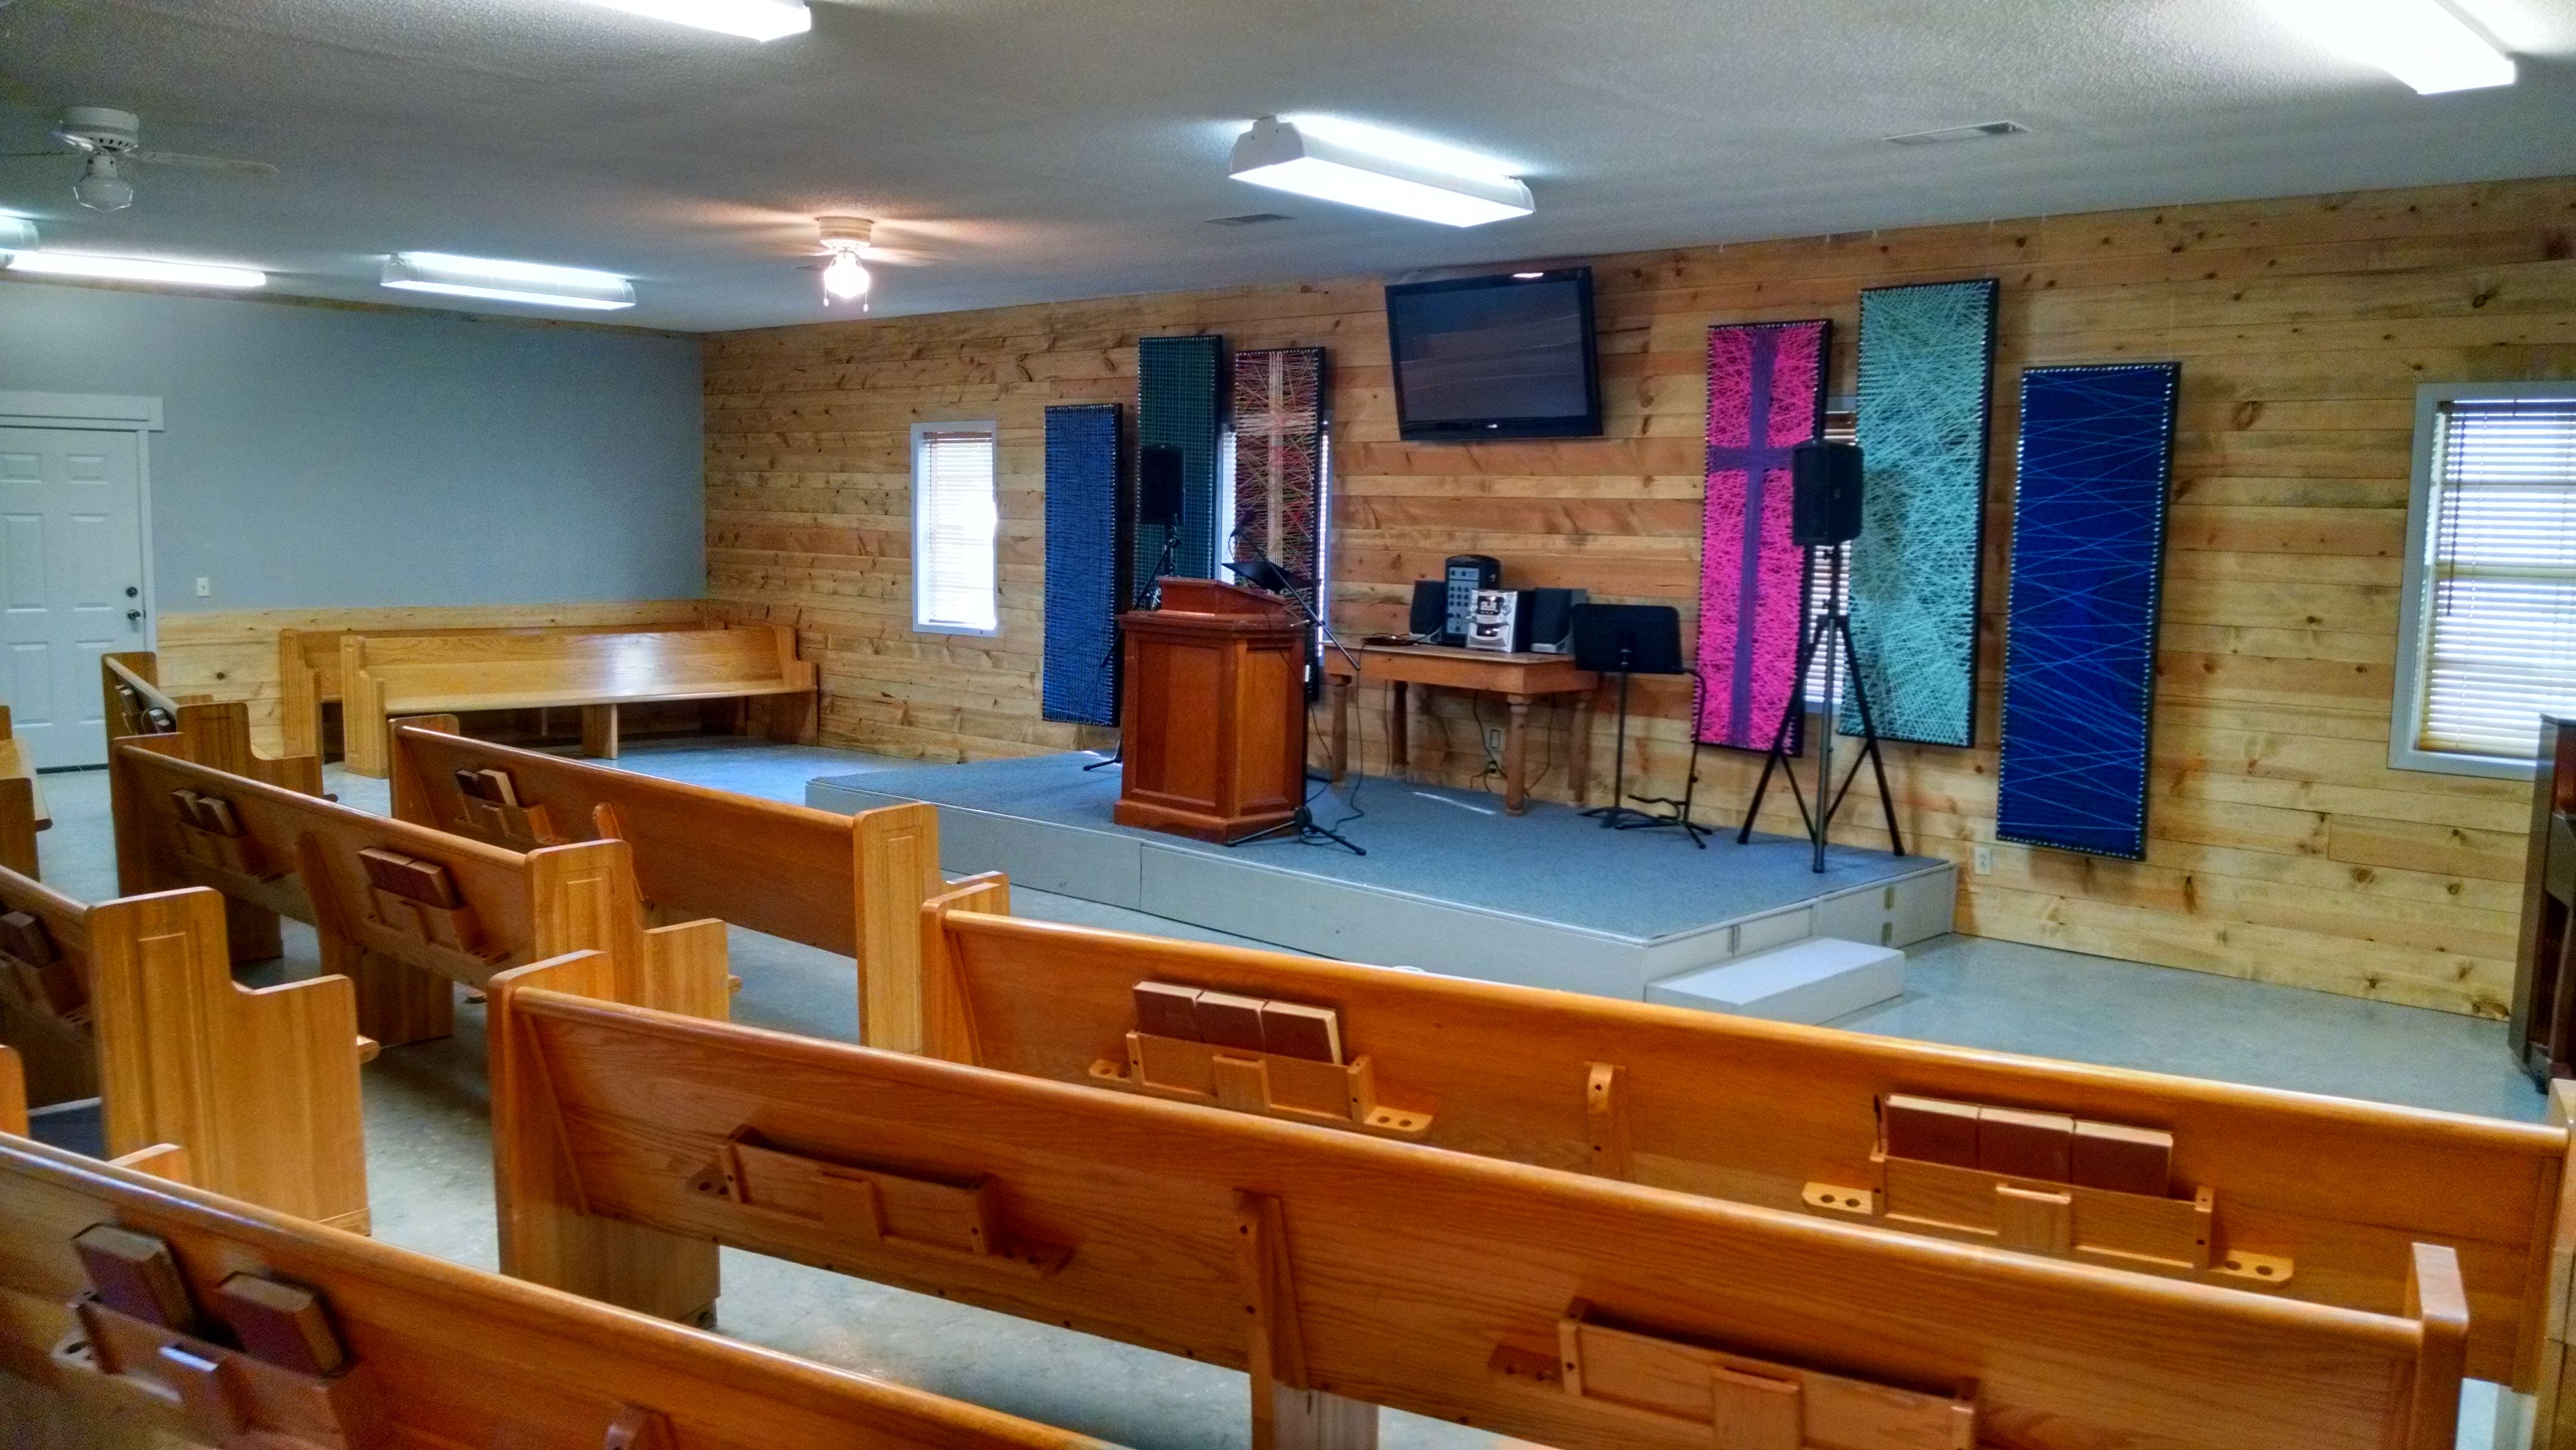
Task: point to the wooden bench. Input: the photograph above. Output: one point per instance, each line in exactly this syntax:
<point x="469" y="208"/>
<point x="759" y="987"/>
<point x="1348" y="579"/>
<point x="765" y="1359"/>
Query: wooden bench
<point x="133" y="1002"/>
<point x="401" y="910"/>
<point x="851" y="885"/>
<point x="141" y="1311"/>
<point x="308" y="669"/>
<point x="2300" y="1196"/>
<point x="215" y="733"/>
<point x="1345" y="1272"/>
<point x="450" y="674"/>
<point x="22" y="805"/>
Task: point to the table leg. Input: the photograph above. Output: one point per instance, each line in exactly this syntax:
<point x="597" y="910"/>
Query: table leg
<point x="1398" y="758"/>
<point x="1515" y="754"/>
<point x="1338" y="751"/>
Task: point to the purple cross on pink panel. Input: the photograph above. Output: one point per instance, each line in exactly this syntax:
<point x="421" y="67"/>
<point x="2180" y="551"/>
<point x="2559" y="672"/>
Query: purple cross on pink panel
<point x="1766" y="395"/>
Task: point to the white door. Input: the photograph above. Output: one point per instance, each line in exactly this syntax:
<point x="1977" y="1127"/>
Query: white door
<point x="71" y="582"/>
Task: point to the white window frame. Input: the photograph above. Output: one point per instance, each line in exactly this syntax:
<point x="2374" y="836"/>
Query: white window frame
<point x="2414" y="639"/>
<point x="921" y="433"/>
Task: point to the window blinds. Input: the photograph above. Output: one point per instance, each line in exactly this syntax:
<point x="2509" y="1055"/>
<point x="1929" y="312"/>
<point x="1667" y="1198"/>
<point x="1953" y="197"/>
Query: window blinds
<point x="955" y="520"/>
<point x="2499" y="645"/>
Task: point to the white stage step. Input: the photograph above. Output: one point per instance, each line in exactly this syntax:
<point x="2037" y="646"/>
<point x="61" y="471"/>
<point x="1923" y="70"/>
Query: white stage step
<point x="1811" y="981"/>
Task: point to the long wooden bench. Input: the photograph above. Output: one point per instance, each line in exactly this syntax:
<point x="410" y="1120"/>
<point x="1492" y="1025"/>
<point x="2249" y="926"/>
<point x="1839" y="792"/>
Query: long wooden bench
<point x="1345" y="1272"/>
<point x="851" y="885"/>
<point x="210" y="732"/>
<point x="2289" y="1194"/>
<point x="142" y="1312"/>
<point x="452" y="674"/>
<point x="308" y="667"/>
<point x="133" y="1002"/>
<point x="401" y="910"/>
<point x="22" y="805"/>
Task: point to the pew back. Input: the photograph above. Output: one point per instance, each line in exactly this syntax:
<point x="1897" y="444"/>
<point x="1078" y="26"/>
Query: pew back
<point x="432" y="673"/>
<point x="437" y="1353"/>
<point x="22" y="805"/>
<point x="846" y="884"/>
<point x="459" y="912"/>
<point x="133" y="1002"/>
<point x="2326" y="1193"/>
<point x="308" y="669"/>
<point x="1538" y="1304"/>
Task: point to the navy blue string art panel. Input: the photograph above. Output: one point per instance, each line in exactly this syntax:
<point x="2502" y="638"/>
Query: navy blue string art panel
<point x="2087" y="569"/>
<point x="1178" y="406"/>
<point x="1927" y="357"/>
<point x="1079" y="682"/>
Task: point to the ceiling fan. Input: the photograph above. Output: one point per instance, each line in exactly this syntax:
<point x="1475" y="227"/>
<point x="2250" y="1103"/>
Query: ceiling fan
<point x="110" y="139"/>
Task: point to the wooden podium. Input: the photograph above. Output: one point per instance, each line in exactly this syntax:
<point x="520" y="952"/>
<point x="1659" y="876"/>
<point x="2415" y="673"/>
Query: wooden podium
<point x="1214" y="712"/>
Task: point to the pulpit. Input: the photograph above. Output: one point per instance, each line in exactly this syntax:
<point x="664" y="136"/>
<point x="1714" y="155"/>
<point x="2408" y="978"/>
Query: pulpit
<point x="1214" y="712"/>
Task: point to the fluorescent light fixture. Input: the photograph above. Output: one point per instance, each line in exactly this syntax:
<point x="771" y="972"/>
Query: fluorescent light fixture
<point x="134" y="269"/>
<point x="17" y="234"/>
<point x="750" y="19"/>
<point x="2421" y="42"/>
<point x="1277" y="154"/>
<point x="499" y="281"/>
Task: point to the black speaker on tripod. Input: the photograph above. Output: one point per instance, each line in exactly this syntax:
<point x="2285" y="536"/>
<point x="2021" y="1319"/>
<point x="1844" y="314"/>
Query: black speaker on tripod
<point x="1824" y="498"/>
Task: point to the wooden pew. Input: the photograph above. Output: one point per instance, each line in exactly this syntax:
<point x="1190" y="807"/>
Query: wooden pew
<point x="211" y="732"/>
<point x="2307" y="1197"/>
<point x="401" y="910"/>
<point x="308" y="668"/>
<point x="133" y="1002"/>
<point x="22" y="805"/>
<point x="432" y="674"/>
<point x="1345" y="1272"/>
<point x="140" y="1311"/>
<point x="852" y="885"/>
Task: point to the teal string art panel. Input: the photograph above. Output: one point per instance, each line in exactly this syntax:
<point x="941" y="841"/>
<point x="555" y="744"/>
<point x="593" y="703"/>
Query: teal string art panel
<point x="1926" y="379"/>
<point x="1178" y="406"/>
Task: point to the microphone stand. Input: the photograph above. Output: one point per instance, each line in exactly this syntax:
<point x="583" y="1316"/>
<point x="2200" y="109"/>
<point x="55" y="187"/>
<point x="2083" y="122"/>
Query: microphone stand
<point x="1301" y="827"/>
<point x="1149" y="594"/>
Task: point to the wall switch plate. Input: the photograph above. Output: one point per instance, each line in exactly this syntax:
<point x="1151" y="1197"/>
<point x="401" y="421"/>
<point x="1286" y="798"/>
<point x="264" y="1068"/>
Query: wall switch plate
<point x="205" y="587"/>
<point x="1985" y="860"/>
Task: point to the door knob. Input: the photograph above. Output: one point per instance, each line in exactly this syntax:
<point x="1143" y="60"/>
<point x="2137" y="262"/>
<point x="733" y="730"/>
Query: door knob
<point x="133" y="614"/>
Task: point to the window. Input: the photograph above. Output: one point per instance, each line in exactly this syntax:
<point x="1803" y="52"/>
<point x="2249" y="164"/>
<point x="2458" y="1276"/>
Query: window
<point x="956" y="524"/>
<point x="2487" y="635"/>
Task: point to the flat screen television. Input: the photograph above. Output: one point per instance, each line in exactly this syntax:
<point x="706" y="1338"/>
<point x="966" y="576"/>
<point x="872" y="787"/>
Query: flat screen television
<point x="1506" y="356"/>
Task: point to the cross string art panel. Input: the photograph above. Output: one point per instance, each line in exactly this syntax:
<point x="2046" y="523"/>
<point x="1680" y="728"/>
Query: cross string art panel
<point x="1766" y="395"/>
<point x="1079" y="680"/>
<point x="1926" y="378"/>
<point x="1177" y="407"/>
<point x="1279" y="461"/>
<point x="2088" y="554"/>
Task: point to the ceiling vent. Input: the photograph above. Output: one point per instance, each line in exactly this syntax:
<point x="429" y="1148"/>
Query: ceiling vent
<point x="1249" y="219"/>
<point x="1978" y="132"/>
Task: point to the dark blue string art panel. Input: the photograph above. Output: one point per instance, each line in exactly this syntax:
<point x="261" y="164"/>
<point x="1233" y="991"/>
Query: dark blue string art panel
<point x="1080" y="680"/>
<point x="2087" y="568"/>
<point x="1177" y="406"/>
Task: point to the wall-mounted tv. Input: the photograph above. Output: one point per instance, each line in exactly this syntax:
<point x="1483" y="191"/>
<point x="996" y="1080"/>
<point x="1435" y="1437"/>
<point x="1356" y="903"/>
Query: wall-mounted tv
<point x="1505" y="356"/>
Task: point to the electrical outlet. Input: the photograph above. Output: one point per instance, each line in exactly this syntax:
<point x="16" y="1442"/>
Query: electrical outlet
<point x="1985" y="860"/>
<point x="205" y="587"/>
<point x="1494" y="750"/>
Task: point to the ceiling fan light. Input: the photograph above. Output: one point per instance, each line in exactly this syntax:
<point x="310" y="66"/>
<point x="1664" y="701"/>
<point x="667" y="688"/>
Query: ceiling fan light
<point x="845" y="278"/>
<point x="101" y="187"/>
<point x="750" y="19"/>
<point x="495" y="280"/>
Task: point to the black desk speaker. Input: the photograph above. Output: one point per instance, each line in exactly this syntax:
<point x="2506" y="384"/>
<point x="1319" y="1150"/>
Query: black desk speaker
<point x="1824" y="503"/>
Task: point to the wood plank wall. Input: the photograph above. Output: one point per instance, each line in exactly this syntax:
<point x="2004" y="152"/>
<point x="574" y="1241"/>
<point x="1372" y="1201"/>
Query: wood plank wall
<point x="231" y="654"/>
<point x="2284" y="848"/>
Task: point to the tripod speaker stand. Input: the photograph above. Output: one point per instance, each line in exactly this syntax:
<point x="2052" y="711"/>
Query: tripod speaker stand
<point x="1825" y="516"/>
<point x="1635" y="639"/>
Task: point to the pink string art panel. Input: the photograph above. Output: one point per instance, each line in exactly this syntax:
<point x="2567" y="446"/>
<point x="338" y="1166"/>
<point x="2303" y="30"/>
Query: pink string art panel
<point x="1766" y="395"/>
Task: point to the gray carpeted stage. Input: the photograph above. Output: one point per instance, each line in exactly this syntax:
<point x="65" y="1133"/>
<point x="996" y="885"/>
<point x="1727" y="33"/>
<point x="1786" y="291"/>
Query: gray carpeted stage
<point x="1449" y="884"/>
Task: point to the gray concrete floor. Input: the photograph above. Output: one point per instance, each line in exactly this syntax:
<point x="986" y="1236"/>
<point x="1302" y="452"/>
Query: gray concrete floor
<point x="428" y="1143"/>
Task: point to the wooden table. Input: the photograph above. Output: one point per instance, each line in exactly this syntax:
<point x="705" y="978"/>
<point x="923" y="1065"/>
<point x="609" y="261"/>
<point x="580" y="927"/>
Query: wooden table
<point x="1518" y="678"/>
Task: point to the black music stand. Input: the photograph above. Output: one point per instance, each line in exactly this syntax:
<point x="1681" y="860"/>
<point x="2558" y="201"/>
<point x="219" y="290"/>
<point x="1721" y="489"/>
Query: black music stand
<point x="1636" y="639"/>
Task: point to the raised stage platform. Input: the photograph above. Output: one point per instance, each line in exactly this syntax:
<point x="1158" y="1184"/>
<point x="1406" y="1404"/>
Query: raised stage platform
<point x="1450" y="884"/>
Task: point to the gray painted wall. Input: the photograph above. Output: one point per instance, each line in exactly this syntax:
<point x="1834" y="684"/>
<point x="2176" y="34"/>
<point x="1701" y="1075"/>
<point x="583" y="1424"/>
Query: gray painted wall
<point x="315" y="457"/>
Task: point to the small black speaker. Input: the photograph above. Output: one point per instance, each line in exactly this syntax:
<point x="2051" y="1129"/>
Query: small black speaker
<point x="1430" y="619"/>
<point x="1825" y="493"/>
<point x="1551" y="619"/>
<point x="1158" y="484"/>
